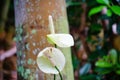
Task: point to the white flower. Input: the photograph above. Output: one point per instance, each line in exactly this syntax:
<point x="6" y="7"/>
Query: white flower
<point x="61" y="40"/>
<point x="50" y="57"/>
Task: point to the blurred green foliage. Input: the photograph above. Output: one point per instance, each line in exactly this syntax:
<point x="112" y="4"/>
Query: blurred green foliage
<point x="104" y="58"/>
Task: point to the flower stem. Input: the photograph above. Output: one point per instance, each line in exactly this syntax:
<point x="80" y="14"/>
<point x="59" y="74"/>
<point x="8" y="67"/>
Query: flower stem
<point x="59" y="73"/>
<point x="57" y="69"/>
<point x="54" y="77"/>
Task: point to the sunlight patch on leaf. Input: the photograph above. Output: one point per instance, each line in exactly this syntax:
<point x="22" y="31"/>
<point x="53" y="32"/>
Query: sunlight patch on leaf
<point x="95" y="10"/>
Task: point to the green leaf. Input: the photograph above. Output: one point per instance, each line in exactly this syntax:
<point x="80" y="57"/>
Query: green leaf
<point x="103" y="70"/>
<point x="106" y="58"/>
<point x="118" y="72"/>
<point x="95" y="29"/>
<point x="113" y="56"/>
<point x="88" y="77"/>
<point x="109" y="13"/>
<point x="103" y="1"/>
<point x="115" y="9"/>
<point x="118" y="66"/>
<point x="95" y="10"/>
<point x="103" y="64"/>
<point x="93" y="56"/>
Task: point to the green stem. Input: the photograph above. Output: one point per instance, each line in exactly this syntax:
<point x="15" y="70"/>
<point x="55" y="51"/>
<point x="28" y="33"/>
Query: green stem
<point x="54" y="77"/>
<point x="118" y="57"/>
<point x="55" y="46"/>
<point x="59" y="73"/>
<point x="54" y="74"/>
<point x="57" y="69"/>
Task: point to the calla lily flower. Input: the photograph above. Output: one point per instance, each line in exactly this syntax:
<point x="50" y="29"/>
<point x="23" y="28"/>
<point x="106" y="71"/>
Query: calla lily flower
<point x="49" y="58"/>
<point x="61" y="40"/>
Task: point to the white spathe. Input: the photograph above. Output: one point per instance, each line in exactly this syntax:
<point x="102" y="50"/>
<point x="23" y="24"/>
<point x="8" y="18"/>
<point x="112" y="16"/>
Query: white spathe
<point x="61" y="40"/>
<point x="50" y="57"/>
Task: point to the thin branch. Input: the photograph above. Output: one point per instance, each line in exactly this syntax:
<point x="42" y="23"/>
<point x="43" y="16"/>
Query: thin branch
<point x="82" y="28"/>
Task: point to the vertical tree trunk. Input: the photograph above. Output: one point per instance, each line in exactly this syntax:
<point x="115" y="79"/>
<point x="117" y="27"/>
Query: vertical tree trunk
<point x="31" y="19"/>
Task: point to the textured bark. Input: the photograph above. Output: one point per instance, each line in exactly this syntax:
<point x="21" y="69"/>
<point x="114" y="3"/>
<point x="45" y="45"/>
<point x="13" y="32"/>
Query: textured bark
<point x="31" y="19"/>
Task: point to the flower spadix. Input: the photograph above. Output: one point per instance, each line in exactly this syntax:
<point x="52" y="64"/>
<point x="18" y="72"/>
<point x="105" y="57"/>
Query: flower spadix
<point x="61" y="40"/>
<point x="50" y="57"/>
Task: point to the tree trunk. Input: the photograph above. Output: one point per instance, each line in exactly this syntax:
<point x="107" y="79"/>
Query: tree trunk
<point x="31" y="19"/>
